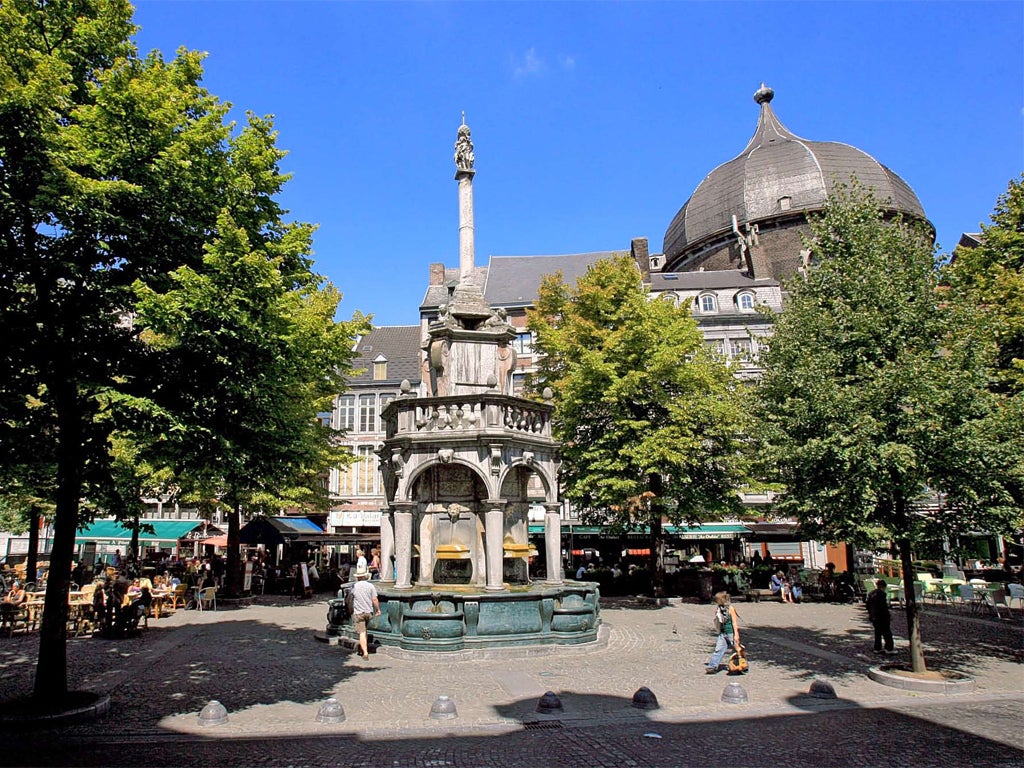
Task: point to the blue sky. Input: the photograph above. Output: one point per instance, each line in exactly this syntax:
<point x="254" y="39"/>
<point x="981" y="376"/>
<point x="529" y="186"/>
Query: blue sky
<point x="592" y="122"/>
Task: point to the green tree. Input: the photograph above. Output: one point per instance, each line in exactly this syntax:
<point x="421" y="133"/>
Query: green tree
<point x="874" y="396"/>
<point x="117" y="174"/>
<point x="647" y="416"/>
<point x="246" y="354"/>
<point x="991" y="276"/>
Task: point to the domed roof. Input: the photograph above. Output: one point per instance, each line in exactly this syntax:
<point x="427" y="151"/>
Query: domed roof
<point x="777" y="175"/>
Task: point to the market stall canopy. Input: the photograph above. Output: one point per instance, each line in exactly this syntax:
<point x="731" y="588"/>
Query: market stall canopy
<point x="271" y="531"/>
<point x="215" y="541"/>
<point x="163" y="531"/>
<point x="775" y="532"/>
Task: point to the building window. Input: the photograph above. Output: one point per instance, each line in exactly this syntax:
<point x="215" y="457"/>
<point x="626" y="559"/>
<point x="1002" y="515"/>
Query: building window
<point x="380" y="368"/>
<point x="366" y="471"/>
<point x="745" y="301"/>
<point x="345" y="476"/>
<point x="367" y="413"/>
<point x="518" y="384"/>
<point x="347" y="412"/>
<point x="740" y="349"/>
<point x="715" y="346"/>
<point x="385" y="398"/>
<point x="524" y="343"/>
<point x="707" y="303"/>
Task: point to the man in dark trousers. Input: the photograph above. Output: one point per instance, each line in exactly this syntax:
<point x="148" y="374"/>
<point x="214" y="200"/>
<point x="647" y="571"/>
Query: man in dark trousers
<point x="878" y="611"/>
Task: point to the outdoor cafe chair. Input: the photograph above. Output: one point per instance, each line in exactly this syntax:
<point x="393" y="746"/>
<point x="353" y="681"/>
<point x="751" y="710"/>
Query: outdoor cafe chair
<point x="1016" y="594"/>
<point x="179" y="595"/>
<point x="207" y="598"/>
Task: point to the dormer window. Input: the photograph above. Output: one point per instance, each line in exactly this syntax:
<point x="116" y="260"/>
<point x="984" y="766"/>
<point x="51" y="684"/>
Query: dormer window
<point x="745" y="302"/>
<point x="380" y="368"/>
<point x="707" y="303"/>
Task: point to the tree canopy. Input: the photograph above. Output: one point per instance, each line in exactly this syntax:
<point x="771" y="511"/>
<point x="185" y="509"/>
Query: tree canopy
<point x="150" y="288"/>
<point x="991" y="276"/>
<point x="647" y="415"/>
<point x="876" y="410"/>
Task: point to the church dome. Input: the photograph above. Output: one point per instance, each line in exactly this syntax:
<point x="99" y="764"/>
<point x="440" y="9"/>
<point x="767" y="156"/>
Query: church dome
<point x="777" y="177"/>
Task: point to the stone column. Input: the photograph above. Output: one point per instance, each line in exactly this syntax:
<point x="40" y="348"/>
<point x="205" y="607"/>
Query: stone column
<point x="466" y="228"/>
<point x="387" y="544"/>
<point x="494" y="528"/>
<point x="553" y="542"/>
<point x="403" y="544"/>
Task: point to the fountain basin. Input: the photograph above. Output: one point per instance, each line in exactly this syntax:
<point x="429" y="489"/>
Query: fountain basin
<point x="454" y="618"/>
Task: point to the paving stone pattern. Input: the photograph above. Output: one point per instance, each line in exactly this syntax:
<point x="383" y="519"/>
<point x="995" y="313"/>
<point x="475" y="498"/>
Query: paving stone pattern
<point x="263" y="664"/>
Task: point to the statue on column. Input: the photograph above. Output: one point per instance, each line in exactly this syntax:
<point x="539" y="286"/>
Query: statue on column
<point x="464" y="148"/>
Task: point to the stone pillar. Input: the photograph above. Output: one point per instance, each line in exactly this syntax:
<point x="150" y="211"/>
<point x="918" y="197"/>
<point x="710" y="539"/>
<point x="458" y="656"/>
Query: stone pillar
<point x="466" y="228"/>
<point x="403" y="544"/>
<point x="387" y="544"/>
<point x="553" y="542"/>
<point x="494" y="528"/>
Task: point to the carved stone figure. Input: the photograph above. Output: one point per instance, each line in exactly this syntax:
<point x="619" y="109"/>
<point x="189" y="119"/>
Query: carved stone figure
<point x="506" y="364"/>
<point x="464" y="148"/>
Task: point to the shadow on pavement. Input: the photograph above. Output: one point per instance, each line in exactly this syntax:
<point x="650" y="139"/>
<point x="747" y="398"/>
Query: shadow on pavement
<point x="622" y="735"/>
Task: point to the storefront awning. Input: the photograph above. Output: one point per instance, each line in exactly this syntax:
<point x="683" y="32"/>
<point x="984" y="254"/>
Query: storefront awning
<point x="704" y="531"/>
<point x="163" y="531"/>
<point x="708" y="531"/>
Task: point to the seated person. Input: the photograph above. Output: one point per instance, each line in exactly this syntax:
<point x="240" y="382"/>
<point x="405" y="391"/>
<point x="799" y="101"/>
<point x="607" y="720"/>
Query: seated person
<point x="14" y="599"/>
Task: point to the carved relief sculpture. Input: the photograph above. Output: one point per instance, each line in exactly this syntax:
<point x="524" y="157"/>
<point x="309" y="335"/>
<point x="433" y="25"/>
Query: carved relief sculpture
<point x="464" y="148"/>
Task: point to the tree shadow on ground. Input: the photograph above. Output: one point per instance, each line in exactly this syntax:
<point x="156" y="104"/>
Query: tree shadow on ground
<point x="241" y="663"/>
<point x="950" y="643"/>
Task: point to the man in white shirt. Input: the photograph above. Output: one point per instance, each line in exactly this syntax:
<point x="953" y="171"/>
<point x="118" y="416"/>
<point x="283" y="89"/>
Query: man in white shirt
<point x="364" y="604"/>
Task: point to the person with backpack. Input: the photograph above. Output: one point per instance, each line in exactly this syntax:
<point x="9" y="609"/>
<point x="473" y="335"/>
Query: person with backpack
<point x="727" y="625"/>
<point x="877" y="603"/>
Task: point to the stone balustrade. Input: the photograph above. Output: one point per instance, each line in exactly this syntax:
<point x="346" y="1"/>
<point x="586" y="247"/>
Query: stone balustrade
<point x="467" y="414"/>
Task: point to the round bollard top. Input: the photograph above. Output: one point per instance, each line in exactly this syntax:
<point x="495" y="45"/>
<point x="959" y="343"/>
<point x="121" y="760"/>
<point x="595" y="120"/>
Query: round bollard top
<point x="734" y="693"/>
<point x="549" y="703"/>
<point x="443" y="709"/>
<point x="644" y="698"/>
<point x="331" y="711"/>
<point x="213" y="713"/>
<point x="822" y="689"/>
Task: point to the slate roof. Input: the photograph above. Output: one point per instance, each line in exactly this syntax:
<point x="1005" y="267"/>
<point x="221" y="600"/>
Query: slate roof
<point x="711" y="280"/>
<point x="777" y="163"/>
<point x="400" y="344"/>
<point x="514" y="280"/>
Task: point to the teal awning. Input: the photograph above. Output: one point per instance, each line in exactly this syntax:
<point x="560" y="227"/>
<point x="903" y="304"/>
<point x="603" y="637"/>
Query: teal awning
<point x="708" y="531"/>
<point x="112" y="530"/>
<point x="703" y="531"/>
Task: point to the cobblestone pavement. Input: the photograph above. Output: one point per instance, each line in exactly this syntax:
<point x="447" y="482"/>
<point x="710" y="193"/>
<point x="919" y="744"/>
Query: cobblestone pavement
<point x="263" y="664"/>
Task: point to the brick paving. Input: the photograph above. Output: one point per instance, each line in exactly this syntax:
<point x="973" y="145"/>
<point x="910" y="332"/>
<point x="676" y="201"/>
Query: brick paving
<point x="262" y="663"/>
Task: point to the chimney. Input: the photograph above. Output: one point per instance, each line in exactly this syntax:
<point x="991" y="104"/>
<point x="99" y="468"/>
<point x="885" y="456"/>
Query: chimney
<point x="437" y="273"/>
<point x="638" y="250"/>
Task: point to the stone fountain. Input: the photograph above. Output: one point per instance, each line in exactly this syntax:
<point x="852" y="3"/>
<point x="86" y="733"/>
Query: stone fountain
<point x="458" y="457"/>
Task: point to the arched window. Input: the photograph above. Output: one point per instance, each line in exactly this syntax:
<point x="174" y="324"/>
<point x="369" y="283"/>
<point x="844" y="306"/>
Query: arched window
<point x="707" y="303"/>
<point x="670" y="297"/>
<point x="745" y="301"/>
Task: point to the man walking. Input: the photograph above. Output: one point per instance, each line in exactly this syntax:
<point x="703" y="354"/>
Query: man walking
<point x="364" y="604"/>
<point x="877" y="604"/>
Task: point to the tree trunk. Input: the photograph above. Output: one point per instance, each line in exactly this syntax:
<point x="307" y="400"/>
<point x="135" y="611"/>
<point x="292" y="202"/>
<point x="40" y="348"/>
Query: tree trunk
<point x="32" y="562"/>
<point x="133" y="547"/>
<point x="657" y="542"/>
<point x="233" y="566"/>
<point x="913" y="615"/>
<point x="52" y="667"/>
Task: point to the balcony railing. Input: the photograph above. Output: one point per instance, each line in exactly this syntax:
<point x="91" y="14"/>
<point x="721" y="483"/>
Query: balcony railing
<point x="467" y="414"/>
